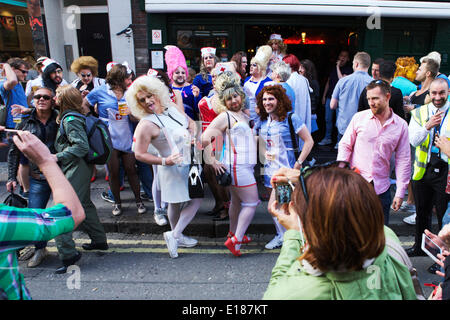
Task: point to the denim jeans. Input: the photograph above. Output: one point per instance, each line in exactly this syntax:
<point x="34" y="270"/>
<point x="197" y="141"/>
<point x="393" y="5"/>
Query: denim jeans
<point x="145" y="174"/>
<point x="40" y="193"/>
<point x="446" y="218"/>
<point x="328" y="119"/>
<point x="385" y="199"/>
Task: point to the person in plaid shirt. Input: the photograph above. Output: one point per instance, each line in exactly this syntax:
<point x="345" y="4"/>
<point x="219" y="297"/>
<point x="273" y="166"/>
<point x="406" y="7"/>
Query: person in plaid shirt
<point x="20" y="227"/>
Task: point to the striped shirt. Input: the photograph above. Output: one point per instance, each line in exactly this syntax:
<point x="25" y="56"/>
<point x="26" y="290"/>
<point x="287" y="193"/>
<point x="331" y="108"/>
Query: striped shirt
<point x="20" y="227"/>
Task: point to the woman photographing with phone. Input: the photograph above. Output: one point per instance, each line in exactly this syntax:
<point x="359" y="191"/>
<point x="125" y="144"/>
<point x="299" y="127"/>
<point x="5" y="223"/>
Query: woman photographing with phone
<point x="335" y="246"/>
<point x="275" y="129"/>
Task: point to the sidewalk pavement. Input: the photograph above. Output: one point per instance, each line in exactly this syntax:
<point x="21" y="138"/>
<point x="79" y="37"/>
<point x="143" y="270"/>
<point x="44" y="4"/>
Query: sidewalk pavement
<point x="202" y="225"/>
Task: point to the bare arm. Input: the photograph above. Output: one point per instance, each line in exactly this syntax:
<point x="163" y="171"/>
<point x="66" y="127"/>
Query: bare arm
<point x="307" y="147"/>
<point x="62" y="191"/>
<point x="324" y="98"/>
<point x="11" y="77"/>
<point x="333" y="104"/>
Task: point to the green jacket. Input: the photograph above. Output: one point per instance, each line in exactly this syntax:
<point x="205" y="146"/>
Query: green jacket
<point x="71" y="149"/>
<point x="74" y="145"/>
<point x="385" y="279"/>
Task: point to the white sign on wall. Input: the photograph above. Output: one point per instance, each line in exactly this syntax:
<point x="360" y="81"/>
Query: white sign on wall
<point x="156" y="37"/>
<point x="157" y="60"/>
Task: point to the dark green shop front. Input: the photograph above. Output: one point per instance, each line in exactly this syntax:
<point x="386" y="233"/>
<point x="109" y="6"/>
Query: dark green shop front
<point x="318" y="38"/>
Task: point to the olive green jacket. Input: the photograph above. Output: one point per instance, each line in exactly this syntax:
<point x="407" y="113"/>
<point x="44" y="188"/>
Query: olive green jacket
<point x="385" y="279"/>
<point x="74" y="145"/>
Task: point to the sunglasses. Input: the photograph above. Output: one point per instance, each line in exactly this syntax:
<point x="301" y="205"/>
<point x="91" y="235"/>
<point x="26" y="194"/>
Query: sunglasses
<point x="44" y="96"/>
<point x="380" y="82"/>
<point x="23" y="71"/>
<point x="87" y="75"/>
<point x="307" y="171"/>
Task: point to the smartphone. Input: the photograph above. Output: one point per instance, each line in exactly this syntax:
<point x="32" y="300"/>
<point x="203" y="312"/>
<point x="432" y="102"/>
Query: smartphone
<point x="430" y="248"/>
<point x="283" y="193"/>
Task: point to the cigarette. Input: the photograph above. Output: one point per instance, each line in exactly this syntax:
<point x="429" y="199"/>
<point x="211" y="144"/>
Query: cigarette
<point x="10" y="130"/>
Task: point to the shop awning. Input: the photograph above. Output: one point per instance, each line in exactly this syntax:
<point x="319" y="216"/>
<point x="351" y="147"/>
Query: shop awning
<point x="400" y="9"/>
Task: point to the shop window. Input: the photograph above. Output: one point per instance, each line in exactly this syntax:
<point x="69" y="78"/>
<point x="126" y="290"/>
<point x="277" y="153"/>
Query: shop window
<point x="191" y="41"/>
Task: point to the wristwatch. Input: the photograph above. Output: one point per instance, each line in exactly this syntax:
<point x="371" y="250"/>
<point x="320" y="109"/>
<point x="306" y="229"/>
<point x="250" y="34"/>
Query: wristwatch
<point x="163" y="161"/>
<point x="299" y="162"/>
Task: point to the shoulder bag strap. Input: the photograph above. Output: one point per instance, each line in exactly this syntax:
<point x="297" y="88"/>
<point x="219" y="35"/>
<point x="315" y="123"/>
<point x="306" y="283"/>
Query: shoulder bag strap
<point x="293" y="137"/>
<point x="229" y="138"/>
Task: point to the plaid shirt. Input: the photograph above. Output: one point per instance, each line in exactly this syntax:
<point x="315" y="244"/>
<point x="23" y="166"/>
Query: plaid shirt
<point x="19" y="228"/>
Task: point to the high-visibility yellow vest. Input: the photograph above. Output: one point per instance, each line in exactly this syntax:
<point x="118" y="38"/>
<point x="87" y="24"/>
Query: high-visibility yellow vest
<point x="420" y="115"/>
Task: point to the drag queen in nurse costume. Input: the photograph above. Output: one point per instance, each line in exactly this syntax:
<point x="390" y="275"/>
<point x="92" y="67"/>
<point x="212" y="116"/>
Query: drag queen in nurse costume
<point x="164" y="127"/>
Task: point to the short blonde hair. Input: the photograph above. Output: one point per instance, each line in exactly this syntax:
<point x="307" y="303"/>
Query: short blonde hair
<point x="85" y="62"/>
<point x="151" y="85"/>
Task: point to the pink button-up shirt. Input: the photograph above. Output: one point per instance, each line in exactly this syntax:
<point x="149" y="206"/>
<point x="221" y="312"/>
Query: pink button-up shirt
<point x="369" y="146"/>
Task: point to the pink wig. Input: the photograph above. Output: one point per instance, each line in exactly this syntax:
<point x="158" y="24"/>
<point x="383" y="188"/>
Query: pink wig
<point x="174" y="59"/>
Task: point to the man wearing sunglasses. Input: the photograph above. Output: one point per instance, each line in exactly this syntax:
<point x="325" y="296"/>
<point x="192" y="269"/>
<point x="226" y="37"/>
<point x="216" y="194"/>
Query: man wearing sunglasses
<point x="11" y="90"/>
<point x="42" y="123"/>
<point x="369" y="142"/>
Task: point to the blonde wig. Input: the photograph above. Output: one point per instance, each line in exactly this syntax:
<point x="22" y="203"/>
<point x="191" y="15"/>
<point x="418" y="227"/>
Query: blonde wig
<point x="227" y="84"/>
<point x="85" y="62"/>
<point x="151" y="85"/>
<point x="262" y="57"/>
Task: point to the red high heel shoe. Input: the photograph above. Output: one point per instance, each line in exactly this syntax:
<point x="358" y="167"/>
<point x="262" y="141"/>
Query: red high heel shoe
<point x="245" y="239"/>
<point x="231" y="245"/>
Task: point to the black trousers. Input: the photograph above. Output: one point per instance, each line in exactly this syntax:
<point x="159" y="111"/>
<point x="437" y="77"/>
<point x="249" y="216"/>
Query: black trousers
<point x="429" y="192"/>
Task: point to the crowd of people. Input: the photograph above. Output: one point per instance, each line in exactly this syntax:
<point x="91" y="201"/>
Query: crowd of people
<point x="231" y="124"/>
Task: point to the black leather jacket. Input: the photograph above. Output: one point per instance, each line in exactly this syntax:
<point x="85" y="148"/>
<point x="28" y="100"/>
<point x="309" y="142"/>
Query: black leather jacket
<point x="46" y="133"/>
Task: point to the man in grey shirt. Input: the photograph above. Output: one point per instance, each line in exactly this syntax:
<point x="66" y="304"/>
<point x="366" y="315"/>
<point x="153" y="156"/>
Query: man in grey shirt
<point x="346" y="94"/>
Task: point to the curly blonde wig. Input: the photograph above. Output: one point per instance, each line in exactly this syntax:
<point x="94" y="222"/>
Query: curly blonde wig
<point x="85" y="62"/>
<point x="151" y="85"/>
<point x="226" y="85"/>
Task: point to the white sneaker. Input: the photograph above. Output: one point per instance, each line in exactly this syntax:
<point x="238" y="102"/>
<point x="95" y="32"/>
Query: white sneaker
<point x="117" y="209"/>
<point x="172" y="244"/>
<point x="36" y="260"/>
<point x="410" y="219"/>
<point x="324" y="142"/>
<point x="276" y="242"/>
<point x="186" y="242"/>
<point x="141" y="208"/>
<point x="159" y="217"/>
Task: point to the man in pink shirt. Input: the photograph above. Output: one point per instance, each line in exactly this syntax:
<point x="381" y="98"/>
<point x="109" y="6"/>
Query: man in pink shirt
<point x="371" y="139"/>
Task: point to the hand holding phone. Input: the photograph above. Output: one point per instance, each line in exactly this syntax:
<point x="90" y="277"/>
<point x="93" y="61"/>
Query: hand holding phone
<point x="431" y="248"/>
<point x="283" y="193"/>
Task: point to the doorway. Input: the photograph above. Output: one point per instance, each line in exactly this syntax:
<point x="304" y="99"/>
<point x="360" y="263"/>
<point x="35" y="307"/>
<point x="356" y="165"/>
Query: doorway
<point x="319" y="44"/>
<point x="94" y="39"/>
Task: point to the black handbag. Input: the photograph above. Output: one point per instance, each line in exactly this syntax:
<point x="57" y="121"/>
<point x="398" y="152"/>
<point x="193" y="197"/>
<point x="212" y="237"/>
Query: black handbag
<point x="224" y="178"/>
<point x="15" y="200"/>
<point x="195" y="183"/>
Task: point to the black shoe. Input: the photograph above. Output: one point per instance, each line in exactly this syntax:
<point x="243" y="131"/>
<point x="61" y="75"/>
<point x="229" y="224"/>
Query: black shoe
<point x="414" y="252"/>
<point x="433" y="268"/>
<point x="67" y="263"/>
<point x="95" y="246"/>
<point x="214" y="212"/>
<point x="222" y="216"/>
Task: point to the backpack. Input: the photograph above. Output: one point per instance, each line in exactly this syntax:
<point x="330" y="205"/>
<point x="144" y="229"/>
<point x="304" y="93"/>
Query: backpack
<point x="100" y="144"/>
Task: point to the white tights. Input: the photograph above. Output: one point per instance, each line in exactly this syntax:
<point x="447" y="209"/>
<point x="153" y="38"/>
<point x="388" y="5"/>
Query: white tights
<point x="179" y="219"/>
<point x="243" y="205"/>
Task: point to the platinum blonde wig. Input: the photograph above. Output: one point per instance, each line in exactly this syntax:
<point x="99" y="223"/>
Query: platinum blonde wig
<point x="282" y="69"/>
<point x="227" y="84"/>
<point x="150" y="85"/>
